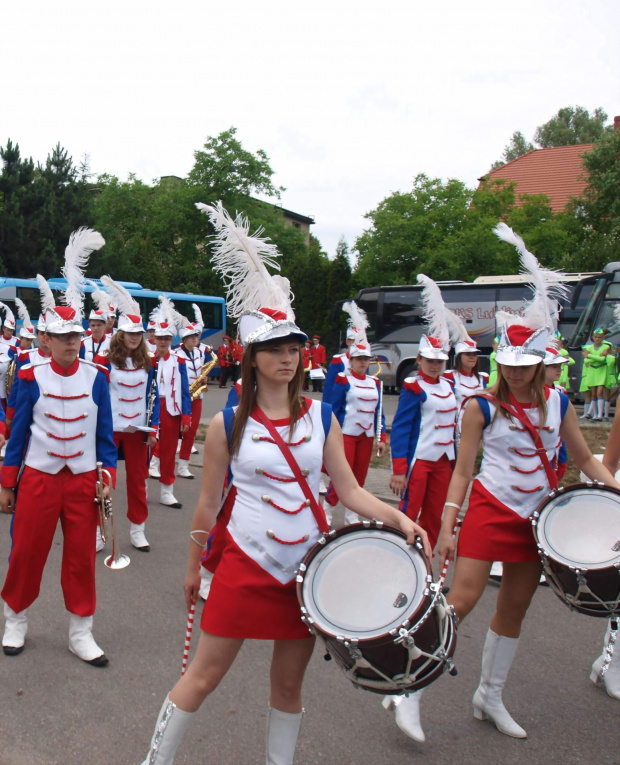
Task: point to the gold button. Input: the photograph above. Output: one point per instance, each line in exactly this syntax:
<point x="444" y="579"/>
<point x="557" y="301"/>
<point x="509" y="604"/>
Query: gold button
<point x="265" y="497"/>
<point x="307" y="437"/>
<point x="305" y="472"/>
<point x="255" y="437"/>
<point x="258" y="471"/>
<point x="307" y="503"/>
<point x="270" y="534"/>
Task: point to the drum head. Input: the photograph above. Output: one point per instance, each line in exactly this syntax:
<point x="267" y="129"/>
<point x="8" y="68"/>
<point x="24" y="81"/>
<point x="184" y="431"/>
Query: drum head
<point x="581" y="528"/>
<point x="364" y="583"/>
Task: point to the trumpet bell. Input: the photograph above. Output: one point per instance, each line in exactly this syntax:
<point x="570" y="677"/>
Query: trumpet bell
<point x="121" y="562"/>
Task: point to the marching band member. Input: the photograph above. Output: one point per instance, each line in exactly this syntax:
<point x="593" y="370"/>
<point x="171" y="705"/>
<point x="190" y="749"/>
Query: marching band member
<point x="306" y="360"/>
<point x="237" y="353"/>
<point x="265" y="540"/>
<point x="340" y="363"/>
<point x="518" y="424"/>
<point x="175" y="402"/>
<point x="8" y="328"/>
<point x="356" y="402"/>
<point x="150" y="337"/>
<point x="97" y="342"/>
<point x="135" y="405"/>
<point x="226" y="360"/>
<point x="26" y="354"/>
<point x="8" y="348"/>
<point x="26" y="331"/>
<point x="319" y="360"/>
<point x="422" y="439"/>
<point x="63" y="414"/>
<point x="194" y="359"/>
<point x="554" y="364"/>
<point x="110" y="324"/>
<point x="466" y="375"/>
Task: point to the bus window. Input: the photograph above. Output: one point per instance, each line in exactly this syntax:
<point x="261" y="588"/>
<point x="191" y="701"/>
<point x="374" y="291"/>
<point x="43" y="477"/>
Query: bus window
<point x="401" y="309"/>
<point x="585" y="325"/>
<point x="582" y="295"/>
<point x="32" y="298"/>
<point x="368" y="301"/>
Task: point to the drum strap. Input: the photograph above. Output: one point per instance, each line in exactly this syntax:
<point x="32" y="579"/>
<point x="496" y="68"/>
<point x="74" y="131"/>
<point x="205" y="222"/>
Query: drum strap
<point x="517" y="411"/>
<point x="317" y="510"/>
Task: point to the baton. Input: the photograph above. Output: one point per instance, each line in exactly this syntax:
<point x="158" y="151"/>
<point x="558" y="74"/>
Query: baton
<point x="188" y="637"/>
<point x="446" y="565"/>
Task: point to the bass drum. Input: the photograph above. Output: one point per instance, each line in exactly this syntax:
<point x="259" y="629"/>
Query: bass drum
<point x="371" y="599"/>
<point x="577" y="530"/>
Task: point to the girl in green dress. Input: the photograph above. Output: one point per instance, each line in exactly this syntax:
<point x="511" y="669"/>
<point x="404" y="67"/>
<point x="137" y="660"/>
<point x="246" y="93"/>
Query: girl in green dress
<point x="595" y="359"/>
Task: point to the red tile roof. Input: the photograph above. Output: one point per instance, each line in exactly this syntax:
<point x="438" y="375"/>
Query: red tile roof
<point x="556" y="172"/>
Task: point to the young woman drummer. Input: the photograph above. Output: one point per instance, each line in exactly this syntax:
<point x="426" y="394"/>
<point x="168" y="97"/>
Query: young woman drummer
<point x="519" y="443"/>
<point x="272" y="524"/>
<point x="131" y="373"/>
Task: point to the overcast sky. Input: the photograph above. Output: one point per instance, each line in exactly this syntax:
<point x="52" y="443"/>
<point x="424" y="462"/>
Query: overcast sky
<point x="350" y="100"/>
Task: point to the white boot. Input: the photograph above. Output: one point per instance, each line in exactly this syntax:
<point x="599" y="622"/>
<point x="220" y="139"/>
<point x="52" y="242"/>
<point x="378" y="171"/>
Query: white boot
<point x="183" y="469"/>
<point x="170" y="728"/>
<point x="136" y="535"/>
<point x="407" y="714"/>
<point x="611" y="678"/>
<point x="497" y="656"/>
<point x="82" y="643"/>
<point x="282" y="732"/>
<point x="194" y="450"/>
<point x="154" y="468"/>
<point x="99" y="545"/>
<point x="167" y="497"/>
<point x="15" y="629"/>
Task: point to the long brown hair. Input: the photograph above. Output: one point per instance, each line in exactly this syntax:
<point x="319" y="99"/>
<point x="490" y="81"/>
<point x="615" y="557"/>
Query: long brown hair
<point x="458" y="365"/>
<point x="247" y="400"/>
<point x="501" y="392"/>
<point x="118" y="353"/>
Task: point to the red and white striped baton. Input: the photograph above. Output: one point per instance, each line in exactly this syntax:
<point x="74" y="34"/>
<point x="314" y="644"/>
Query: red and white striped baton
<point x="446" y="565"/>
<point x="188" y="637"/>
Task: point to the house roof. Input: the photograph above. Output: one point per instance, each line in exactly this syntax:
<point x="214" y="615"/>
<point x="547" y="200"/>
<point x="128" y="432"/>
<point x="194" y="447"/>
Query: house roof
<point x="557" y="172"/>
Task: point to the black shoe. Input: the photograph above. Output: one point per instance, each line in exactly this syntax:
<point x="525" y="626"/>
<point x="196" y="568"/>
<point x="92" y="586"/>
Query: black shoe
<point x="10" y="650"/>
<point x="145" y="548"/>
<point x="100" y="661"/>
<point x="175" y="505"/>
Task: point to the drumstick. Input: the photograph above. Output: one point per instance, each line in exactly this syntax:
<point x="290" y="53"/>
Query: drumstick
<point x="446" y="565"/>
<point x="188" y="637"/>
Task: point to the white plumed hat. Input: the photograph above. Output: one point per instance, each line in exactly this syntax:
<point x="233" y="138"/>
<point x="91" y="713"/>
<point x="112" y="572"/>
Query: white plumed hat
<point x="435" y="344"/>
<point x="358" y="323"/>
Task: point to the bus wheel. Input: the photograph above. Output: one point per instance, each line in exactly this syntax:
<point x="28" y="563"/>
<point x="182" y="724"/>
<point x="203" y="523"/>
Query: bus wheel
<point x="406" y="371"/>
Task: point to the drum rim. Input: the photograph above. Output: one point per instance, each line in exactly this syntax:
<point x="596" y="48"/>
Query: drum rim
<point x="558" y="494"/>
<point x="321" y="545"/>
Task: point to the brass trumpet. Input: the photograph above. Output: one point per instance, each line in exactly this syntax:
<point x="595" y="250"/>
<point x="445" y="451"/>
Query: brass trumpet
<point x="106" y="516"/>
<point x="200" y="384"/>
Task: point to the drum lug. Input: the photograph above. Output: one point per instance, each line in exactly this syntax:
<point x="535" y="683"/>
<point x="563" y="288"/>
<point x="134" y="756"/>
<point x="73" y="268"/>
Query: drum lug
<point x="322" y="540"/>
<point x="379" y="524"/>
<point x="366" y="523"/>
<point x="299" y="578"/>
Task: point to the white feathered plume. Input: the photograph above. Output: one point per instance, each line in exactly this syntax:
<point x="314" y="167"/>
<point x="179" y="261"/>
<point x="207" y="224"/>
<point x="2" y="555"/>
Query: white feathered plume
<point x="125" y="303"/>
<point x="9" y="314"/>
<point x="48" y="300"/>
<point x="456" y="328"/>
<point x="23" y="314"/>
<point x="242" y="260"/>
<point x="434" y="310"/>
<point x="357" y="321"/>
<point x="100" y="298"/>
<point x="167" y="312"/>
<point x="81" y="243"/>
<point x="156" y="314"/>
<point x="198" y="315"/>
<point x="548" y="286"/>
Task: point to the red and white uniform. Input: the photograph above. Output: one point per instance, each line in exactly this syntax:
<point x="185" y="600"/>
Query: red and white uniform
<point x="318" y="356"/>
<point x="194" y="361"/>
<point x="271" y="528"/>
<point x="466" y="385"/>
<point x="511" y="483"/>
<point x="11" y="342"/>
<point x="422" y="445"/>
<point x="94" y="348"/>
<point x="175" y="410"/>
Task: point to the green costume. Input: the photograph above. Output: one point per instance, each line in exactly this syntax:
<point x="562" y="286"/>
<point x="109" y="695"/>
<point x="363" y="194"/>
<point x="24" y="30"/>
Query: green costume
<point x="564" y="380"/>
<point x="493" y="367"/>
<point x="596" y="364"/>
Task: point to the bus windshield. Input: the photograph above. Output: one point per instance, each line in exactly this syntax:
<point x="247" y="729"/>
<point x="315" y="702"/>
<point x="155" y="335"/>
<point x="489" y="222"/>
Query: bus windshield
<point x="586" y="324"/>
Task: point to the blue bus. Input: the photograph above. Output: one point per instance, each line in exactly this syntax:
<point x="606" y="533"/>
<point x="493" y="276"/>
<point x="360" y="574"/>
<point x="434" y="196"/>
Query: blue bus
<point x="213" y="309"/>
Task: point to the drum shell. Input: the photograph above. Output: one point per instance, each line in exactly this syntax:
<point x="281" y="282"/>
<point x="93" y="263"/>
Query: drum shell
<point x="579" y="587"/>
<point x="381" y="651"/>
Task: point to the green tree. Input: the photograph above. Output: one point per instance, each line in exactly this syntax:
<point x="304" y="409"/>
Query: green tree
<point x="571" y="126"/>
<point x="15" y="186"/>
<point x="517" y="146"/>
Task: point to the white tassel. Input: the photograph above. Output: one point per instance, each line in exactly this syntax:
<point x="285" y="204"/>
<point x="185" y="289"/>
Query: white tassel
<point x="48" y="301"/>
<point x="81" y="243"/>
<point x="125" y="303"/>
<point x="23" y="314"/>
<point x="548" y="285"/>
<point x="434" y="310"/>
<point x="242" y="261"/>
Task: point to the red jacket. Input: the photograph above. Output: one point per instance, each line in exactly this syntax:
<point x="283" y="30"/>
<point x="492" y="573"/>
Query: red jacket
<point x="225" y="355"/>
<point x="318" y="356"/>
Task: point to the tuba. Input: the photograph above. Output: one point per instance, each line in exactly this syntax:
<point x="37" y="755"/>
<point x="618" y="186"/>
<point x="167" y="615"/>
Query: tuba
<point x="106" y="516"/>
<point x="200" y="384"/>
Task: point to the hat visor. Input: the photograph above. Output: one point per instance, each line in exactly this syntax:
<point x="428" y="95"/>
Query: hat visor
<point x="132" y="328"/>
<point x="556" y="362"/>
<point x="279" y="333"/>
<point x="56" y="328"/>
<point x="434" y="354"/>
<point x="511" y="359"/>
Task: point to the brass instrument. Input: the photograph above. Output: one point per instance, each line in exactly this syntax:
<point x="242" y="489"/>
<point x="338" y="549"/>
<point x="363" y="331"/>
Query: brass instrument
<point x="376" y="360"/>
<point x="106" y="516"/>
<point x="200" y="384"/>
<point x="10" y="375"/>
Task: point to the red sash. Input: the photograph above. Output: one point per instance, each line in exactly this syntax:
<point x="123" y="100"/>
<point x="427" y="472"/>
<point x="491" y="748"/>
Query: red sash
<point x="317" y="510"/>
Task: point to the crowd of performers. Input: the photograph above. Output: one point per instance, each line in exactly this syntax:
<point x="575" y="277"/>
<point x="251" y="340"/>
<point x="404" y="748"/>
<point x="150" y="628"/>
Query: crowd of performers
<point x="266" y="454"/>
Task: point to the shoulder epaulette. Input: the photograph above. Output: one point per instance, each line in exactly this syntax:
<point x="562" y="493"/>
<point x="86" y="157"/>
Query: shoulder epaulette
<point x="341" y="378"/>
<point x="337" y="359"/>
<point x="98" y="367"/>
<point x="412" y="384"/>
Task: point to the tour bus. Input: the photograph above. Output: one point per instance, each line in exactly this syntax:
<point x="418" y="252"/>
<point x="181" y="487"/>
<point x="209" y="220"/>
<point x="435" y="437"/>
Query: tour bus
<point x="213" y="309"/>
<point x="396" y="323"/>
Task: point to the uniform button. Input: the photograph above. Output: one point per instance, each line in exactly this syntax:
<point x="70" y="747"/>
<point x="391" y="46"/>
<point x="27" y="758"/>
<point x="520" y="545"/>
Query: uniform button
<point x="270" y="533"/>
<point x="266" y="498"/>
<point x="307" y="503"/>
<point x="258" y="471"/>
<point x="305" y="472"/>
<point x="255" y="437"/>
<point x="307" y="437"/>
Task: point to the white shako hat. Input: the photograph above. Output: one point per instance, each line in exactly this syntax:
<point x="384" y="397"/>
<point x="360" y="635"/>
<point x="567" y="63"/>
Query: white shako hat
<point x="9" y="317"/>
<point x="101" y="300"/>
<point x="26" y="330"/>
<point x="190" y="329"/>
<point x="130" y="319"/>
<point x="350" y="334"/>
<point x="435" y="344"/>
<point x="459" y="339"/>
<point x="524" y="338"/>
<point x="47" y="303"/>
<point x="67" y="318"/>
<point x="164" y="317"/>
<point x="261" y="302"/>
<point x="358" y="323"/>
<point x="466" y="346"/>
<point x="552" y="356"/>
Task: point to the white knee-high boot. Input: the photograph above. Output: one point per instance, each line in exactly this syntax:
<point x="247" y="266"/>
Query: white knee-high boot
<point x="407" y="714"/>
<point x="497" y="656"/>
<point x="611" y="678"/>
<point x="282" y="732"/>
<point x="170" y="728"/>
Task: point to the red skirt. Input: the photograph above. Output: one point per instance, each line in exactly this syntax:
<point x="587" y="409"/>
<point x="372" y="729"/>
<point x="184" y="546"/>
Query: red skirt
<point x="491" y="531"/>
<point x="246" y="602"/>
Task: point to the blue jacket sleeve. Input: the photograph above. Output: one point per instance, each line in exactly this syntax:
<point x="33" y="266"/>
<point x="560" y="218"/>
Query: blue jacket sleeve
<point x="338" y="400"/>
<point x="107" y="453"/>
<point x="186" y="399"/>
<point x="27" y="397"/>
<point x="333" y="371"/>
<point x="406" y="429"/>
